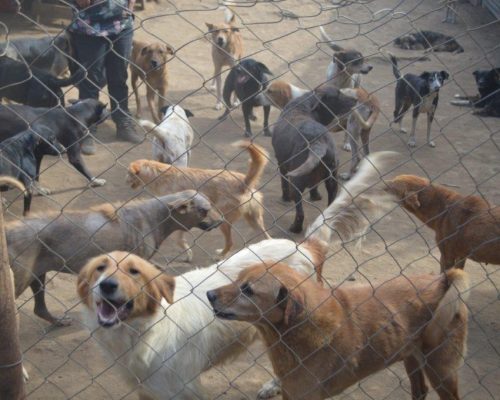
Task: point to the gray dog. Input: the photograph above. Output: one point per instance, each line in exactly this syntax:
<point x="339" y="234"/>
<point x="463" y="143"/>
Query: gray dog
<point x="65" y="242"/>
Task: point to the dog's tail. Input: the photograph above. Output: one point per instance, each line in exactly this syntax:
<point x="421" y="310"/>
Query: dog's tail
<point x="228" y="14"/>
<point x="317" y="151"/>
<point x="151" y="127"/>
<point x="358" y="204"/>
<point x="76" y="77"/>
<point x="395" y="69"/>
<point x="329" y="41"/>
<point x="10" y="181"/>
<point x="258" y="160"/>
<point x="450" y="305"/>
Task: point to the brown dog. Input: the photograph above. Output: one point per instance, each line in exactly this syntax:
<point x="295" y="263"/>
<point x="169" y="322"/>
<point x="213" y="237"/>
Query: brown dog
<point x="148" y="63"/>
<point x="231" y="193"/>
<point x="227" y="49"/>
<point x="321" y="341"/>
<point x="465" y="226"/>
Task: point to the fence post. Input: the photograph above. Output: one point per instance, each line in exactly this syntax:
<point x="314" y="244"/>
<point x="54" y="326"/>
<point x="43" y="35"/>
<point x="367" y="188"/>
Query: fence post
<point x="11" y="368"/>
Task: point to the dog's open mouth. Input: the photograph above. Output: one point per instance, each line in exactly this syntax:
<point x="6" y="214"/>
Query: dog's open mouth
<point x="224" y="315"/>
<point x="242" y="79"/>
<point x="112" y="312"/>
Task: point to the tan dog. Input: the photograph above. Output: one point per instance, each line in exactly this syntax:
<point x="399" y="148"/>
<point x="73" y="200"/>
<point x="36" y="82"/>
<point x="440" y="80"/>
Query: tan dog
<point x="232" y="193"/>
<point x="148" y="63"/>
<point x="321" y="341"/>
<point x="465" y="226"/>
<point x="227" y="49"/>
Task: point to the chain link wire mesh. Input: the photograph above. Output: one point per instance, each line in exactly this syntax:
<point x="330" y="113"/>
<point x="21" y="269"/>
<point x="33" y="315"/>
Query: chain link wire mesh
<point x="72" y="362"/>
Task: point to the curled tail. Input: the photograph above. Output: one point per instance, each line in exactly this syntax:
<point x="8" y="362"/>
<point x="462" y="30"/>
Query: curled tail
<point x="76" y="77"/>
<point x="457" y="281"/>
<point x="8" y="180"/>
<point x="358" y="203"/>
<point x="317" y="151"/>
<point x="329" y="41"/>
<point x="258" y="160"/>
<point x="395" y="69"/>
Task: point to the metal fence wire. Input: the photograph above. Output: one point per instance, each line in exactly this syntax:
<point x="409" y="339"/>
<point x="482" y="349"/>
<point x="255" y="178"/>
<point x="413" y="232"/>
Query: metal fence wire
<point x="195" y="275"/>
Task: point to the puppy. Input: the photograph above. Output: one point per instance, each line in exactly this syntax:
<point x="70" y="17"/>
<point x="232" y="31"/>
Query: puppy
<point x="248" y="80"/>
<point x="67" y="125"/>
<point x="149" y="63"/>
<point x="280" y="93"/>
<point x="305" y="150"/>
<point x="421" y="92"/>
<point x="18" y="158"/>
<point x="488" y="99"/>
<point x="231" y="192"/>
<point x="360" y="125"/>
<point x="32" y="86"/>
<point x="49" y="53"/>
<point x="465" y="226"/>
<point x="173" y="137"/>
<point x="227" y="49"/>
<point x="322" y="341"/>
<point x="428" y="40"/>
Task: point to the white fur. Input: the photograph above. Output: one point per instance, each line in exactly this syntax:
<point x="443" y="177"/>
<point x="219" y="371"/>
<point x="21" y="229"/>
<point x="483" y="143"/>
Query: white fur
<point x="297" y="92"/>
<point x="172" y="138"/>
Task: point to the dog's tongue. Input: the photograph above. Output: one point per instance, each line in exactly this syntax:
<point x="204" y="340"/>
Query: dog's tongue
<point x="242" y="79"/>
<point x="106" y="314"/>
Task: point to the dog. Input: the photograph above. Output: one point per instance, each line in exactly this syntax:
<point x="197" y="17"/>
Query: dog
<point x="68" y="126"/>
<point x="488" y="99"/>
<point x="304" y="149"/>
<point x="231" y="192"/>
<point x="18" y="159"/>
<point x="189" y="335"/>
<point x="248" y="80"/>
<point x="149" y="63"/>
<point x="428" y="40"/>
<point x="49" y="53"/>
<point x="32" y="86"/>
<point x="173" y="137"/>
<point x="465" y="226"/>
<point x="227" y="49"/>
<point x="280" y="93"/>
<point x="421" y="92"/>
<point x="55" y="241"/>
<point x="360" y="125"/>
<point x="322" y="341"/>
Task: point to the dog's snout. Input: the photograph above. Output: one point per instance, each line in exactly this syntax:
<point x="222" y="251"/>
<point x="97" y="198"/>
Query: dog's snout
<point x="154" y="63"/>
<point x="212" y="296"/>
<point x="108" y="286"/>
<point x="220" y="41"/>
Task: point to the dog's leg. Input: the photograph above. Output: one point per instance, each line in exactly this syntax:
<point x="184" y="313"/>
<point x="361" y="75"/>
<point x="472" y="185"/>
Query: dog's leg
<point x="285" y="186"/>
<point x="151" y="96"/>
<point x="75" y="159"/>
<point x="256" y="220"/>
<point x="430" y="118"/>
<point x="365" y="140"/>
<point x="37" y="287"/>
<point x="218" y="87"/>
<point x="417" y="379"/>
<point x="133" y="80"/>
<point x="412" y="141"/>
<point x="332" y="187"/>
<point x="314" y="194"/>
<point x="353" y="132"/>
<point x="162" y="101"/>
<point x="441" y="367"/>
<point x="226" y="231"/>
<point x="247" y="111"/>
<point x="296" y="227"/>
<point x="267" y="110"/>
<point x="269" y="389"/>
<point x="347" y="145"/>
<point x="184" y="245"/>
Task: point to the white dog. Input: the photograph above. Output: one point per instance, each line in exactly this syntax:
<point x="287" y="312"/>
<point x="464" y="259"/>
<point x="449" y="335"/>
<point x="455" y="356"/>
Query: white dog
<point x="160" y="328"/>
<point x="173" y="137"/>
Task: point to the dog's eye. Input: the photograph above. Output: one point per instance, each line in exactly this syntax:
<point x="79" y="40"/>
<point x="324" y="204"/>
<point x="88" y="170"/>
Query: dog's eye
<point x="101" y="268"/>
<point x="133" y="271"/>
<point x="246" y="289"/>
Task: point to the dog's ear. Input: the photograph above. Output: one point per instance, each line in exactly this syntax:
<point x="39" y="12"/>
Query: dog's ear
<point x="444" y="75"/>
<point x="144" y="50"/>
<point x="183" y="206"/>
<point x="188" y="113"/>
<point x="164" y="109"/>
<point x="84" y="278"/>
<point x="234" y="29"/>
<point x="425" y="75"/>
<point x="210" y="26"/>
<point x="232" y="20"/>
<point x="292" y="301"/>
<point x="400" y="190"/>
<point x="165" y="285"/>
<point x="170" y="50"/>
<point x="264" y="68"/>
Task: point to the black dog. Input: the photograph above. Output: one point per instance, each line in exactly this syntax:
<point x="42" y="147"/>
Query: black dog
<point x="32" y="86"/>
<point x="49" y="53"/>
<point x="421" y="91"/>
<point x="68" y="126"/>
<point x="304" y="147"/>
<point x="423" y="40"/>
<point x="18" y="158"/>
<point x="488" y="99"/>
<point x="248" y="80"/>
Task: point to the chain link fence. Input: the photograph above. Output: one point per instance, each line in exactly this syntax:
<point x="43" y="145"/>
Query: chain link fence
<point x="135" y="345"/>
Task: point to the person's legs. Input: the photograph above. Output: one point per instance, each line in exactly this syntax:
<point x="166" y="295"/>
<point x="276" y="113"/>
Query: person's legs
<point x="116" y="67"/>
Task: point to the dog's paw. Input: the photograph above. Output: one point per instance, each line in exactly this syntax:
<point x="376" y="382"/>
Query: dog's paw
<point x="212" y="86"/>
<point x="96" y="182"/>
<point x="412" y="143"/>
<point x="267" y="133"/>
<point x="295" y="228"/>
<point x="346" y="146"/>
<point x="62" y="322"/>
<point x="458" y="96"/>
<point x="252" y="117"/>
<point x="218" y="106"/>
<point x="40" y="190"/>
<point x="247" y="134"/>
<point x="403" y="130"/>
<point x="269" y="389"/>
<point x="236" y="103"/>
<point x="432" y="144"/>
<point x="345" y="176"/>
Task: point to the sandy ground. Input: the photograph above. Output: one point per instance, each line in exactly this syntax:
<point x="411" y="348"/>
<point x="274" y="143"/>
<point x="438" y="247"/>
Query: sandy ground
<point x="66" y="363"/>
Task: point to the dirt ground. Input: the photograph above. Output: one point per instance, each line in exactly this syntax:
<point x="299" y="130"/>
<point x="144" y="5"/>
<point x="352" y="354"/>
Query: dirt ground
<point x="66" y="363"/>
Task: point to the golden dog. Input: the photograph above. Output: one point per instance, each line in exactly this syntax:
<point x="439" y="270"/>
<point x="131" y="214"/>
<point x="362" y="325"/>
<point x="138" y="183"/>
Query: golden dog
<point x="321" y="341"/>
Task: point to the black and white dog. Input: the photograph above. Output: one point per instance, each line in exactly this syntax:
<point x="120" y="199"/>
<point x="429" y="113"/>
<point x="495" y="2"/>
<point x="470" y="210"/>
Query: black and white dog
<point x="249" y="80"/>
<point x="428" y="40"/>
<point x="421" y="92"/>
<point x="488" y="99"/>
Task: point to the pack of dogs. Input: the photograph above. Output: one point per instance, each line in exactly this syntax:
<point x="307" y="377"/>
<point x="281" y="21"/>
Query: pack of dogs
<point x="166" y="330"/>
